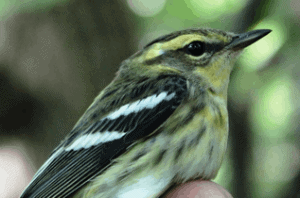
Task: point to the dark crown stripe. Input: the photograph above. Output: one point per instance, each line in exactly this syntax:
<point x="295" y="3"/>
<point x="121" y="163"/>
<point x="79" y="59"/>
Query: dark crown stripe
<point x="164" y="38"/>
<point x="173" y="35"/>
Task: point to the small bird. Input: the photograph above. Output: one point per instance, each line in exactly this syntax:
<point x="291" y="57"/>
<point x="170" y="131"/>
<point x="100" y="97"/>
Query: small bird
<point x="162" y="121"/>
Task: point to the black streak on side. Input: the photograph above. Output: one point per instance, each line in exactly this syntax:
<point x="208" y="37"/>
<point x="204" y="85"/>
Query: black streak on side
<point x="211" y="150"/>
<point x="220" y="116"/>
<point x="196" y="140"/>
<point x="159" y="157"/>
<point x="139" y="155"/>
<point x="179" y="150"/>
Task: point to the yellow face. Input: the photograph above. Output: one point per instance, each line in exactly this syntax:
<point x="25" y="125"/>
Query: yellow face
<point x="196" y="53"/>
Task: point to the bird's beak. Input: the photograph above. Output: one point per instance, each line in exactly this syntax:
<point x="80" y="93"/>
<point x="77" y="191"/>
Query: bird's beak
<point x="243" y="40"/>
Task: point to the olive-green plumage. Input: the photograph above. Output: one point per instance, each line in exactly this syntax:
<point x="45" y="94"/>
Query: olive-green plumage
<point x="167" y="107"/>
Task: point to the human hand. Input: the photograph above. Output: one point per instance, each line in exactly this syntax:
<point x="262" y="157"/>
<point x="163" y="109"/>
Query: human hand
<point x="199" y="189"/>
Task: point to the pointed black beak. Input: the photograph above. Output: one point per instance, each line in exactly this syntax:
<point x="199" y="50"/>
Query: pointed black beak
<point x="243" y="40"/>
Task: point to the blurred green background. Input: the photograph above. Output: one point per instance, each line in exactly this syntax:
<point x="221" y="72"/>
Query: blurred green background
<point x="57" y="55"/>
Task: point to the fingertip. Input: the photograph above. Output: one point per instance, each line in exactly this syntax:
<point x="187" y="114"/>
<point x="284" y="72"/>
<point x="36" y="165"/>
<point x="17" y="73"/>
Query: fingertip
<point x="199" y="189"/>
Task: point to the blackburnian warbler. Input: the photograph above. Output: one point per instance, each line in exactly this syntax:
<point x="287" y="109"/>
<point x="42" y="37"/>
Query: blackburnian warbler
<point x="163" y="120"/>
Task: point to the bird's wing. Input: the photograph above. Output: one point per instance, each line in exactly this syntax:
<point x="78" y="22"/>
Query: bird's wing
<point x="92" y="145"/>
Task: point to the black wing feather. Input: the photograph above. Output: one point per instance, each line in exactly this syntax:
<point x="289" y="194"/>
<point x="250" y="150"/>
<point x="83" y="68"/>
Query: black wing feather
<point x="70" y="169"/>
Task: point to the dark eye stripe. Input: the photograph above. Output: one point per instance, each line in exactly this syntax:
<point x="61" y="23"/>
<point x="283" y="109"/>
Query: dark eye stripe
<point x="209" y="47"/>
<point x="214" y="47"/>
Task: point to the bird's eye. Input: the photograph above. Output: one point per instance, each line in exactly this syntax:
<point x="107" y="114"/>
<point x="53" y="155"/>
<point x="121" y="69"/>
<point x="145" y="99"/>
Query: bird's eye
<point x="195" y="48"/>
